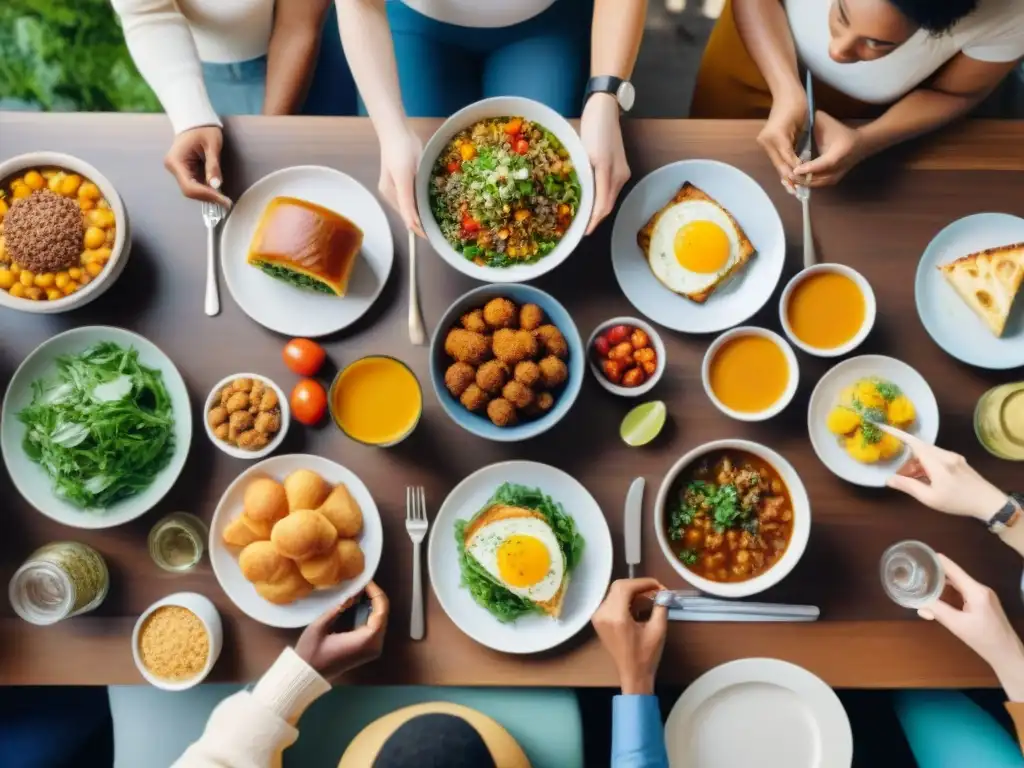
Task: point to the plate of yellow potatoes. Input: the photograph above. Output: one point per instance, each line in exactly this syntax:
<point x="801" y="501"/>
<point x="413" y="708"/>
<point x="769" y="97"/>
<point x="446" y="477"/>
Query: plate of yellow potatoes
<point x="849" y="403"/>
<point x="293" y="536"/>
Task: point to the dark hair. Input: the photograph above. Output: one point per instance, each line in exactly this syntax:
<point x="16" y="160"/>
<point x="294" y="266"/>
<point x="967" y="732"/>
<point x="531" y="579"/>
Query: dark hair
<point x="935" y="16"/>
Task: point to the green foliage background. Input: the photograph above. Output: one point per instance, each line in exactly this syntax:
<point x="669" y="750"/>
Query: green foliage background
<point x="68" y="55"/>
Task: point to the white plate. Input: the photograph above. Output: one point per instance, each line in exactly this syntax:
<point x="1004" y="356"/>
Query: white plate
<point x="826" y="396"/>
<point x="788" y="718"/>
<point x="32" y="481"/>
<point x="587" y="584"/>
<point x="738" y="299"/>
<point x="225" y="560"/>
<point x="293" y="311"/>
<point x="951" y="323"/>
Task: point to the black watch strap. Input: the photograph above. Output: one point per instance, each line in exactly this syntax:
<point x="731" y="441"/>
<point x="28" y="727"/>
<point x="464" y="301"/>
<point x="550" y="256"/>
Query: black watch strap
<point x="1008" y="514"/>
<point x="610" y="84"/>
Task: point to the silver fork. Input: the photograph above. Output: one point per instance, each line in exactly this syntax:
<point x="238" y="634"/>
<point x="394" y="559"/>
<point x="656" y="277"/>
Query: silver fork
<point x="212" y="215"/>
<point x="416" y="524"/>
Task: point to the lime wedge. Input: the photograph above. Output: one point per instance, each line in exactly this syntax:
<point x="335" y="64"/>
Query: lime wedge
<point x="643" y="423"/>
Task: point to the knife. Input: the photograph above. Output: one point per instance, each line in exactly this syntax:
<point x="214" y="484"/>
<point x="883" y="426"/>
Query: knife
<point x="685" y="606"/>
<point x="678" y="614"/>
<point x="632" y="524"/>
<point x="803" y="192"/>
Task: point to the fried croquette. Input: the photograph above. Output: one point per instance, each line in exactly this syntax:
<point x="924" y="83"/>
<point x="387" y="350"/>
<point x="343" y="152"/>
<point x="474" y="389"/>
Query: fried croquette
<point x="467" y="346"/>
<point x="552" y="340"/>
<point x="512" y="347"/>
<point x="474" y="321"/>
<point x="500" y="313"/>
<point x="530" y="317"/>
<point x="501" y="412"/>
<point x="527" y="373"/>
<point x="517" y="394"/>
<point x="458" y="377"/>
<point x="545" y="400"/>
<point x="491" y="376"/>
<point x="553" y="372"/>
<point x="474" y="398"/>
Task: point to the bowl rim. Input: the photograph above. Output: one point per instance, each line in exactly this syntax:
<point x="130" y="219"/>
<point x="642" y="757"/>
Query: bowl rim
<point x="214" y="628"/>
<point x="801" y="512"/>
<point x="659" y="350"/>
<point x="572" y="142"/>
<point x="238" y="453"/>
<point x="779" y="405"/>
<point x="337" y="378"/>
<point x="870" y="309"/>
<point x="118" y="253"/>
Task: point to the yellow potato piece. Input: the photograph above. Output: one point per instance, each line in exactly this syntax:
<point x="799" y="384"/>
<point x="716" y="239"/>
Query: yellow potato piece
<point x="901" y="412"/>
<point x="862" y="451"/>
<point x="843" y="421"/>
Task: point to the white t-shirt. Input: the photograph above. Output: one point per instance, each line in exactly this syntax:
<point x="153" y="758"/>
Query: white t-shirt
<point x="479" y="13"/>
<point x="993" y="33"/>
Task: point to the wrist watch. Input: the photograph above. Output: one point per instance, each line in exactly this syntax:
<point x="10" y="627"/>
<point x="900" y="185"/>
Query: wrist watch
<point x="622" y="90"/>
<point x="1008" y="515"/>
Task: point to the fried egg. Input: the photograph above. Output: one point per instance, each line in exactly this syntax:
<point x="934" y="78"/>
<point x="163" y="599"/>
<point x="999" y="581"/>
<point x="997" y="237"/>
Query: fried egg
<point x="694" y="245"/>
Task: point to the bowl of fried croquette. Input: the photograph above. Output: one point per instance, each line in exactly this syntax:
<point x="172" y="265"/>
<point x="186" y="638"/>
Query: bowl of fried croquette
<point x="507" y="362"/>
<point x="246" y="416"/>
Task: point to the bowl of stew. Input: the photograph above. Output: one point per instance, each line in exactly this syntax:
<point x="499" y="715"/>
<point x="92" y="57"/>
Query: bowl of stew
<point x="733" y="518"/>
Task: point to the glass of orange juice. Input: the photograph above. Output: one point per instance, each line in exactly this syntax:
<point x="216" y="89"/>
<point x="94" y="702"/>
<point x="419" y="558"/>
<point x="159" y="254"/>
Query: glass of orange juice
<point x="376" y="400"/>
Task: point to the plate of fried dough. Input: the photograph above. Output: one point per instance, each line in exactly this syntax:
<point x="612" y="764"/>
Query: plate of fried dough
<point x="293" y="536"/>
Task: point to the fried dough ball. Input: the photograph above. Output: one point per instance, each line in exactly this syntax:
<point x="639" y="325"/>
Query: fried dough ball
<point x="258" y="388"/>
<point x="260" y="529"/>
<point x="242" y="385"/>
<point x="284" y="591"/>
<point x="238" y="534"/>
<point x="305" y="489"/>
<point x="458" y="377"/>
<point x="544" y="401"/>
<point x="269" y="401"/>
<point x="527" y="373"/>
<point x="267" y="423"/>
<point x="501" y="412"/>
<point x="474" y="321"/>
<point x="517" y="394"/>
<point x="351" y="557"/>
<point x="342" y="511"/>
<point x="260" y="561"/>
<point x="217" y="416"/>
<point x="303" y="534"/>
<point x="552" y="340"/>
<point x="238" y="401"/>
<point x="512" y="347"/>
<point x="222" y="431"/>
<point x="500" y="313"/>
<point x="491" y="376"/>
<point x="253" y="440"/>
<point x="553" y="372"/>
<point x="467" y="346"/>
<point x="265" y="500"/>
<point x="530" y="317"/>
<point x="474" y="398"/>
<point x="240" y="421"/>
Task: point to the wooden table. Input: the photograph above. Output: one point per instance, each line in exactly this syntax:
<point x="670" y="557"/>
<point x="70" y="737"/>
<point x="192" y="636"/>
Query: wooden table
<point x="879" y="221"/>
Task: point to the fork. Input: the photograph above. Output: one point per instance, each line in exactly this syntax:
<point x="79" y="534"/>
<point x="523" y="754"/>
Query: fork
<point x="212" y="215"/>
<point x="416" y="525"/>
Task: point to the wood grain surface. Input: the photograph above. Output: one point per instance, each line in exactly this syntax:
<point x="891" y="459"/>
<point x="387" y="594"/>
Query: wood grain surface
<point x="879" y="221"/>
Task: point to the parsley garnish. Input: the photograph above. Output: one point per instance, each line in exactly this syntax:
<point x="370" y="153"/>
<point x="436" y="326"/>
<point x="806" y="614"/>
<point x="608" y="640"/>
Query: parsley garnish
<point x="887" y="390"/>
<point x="689" y="556"/>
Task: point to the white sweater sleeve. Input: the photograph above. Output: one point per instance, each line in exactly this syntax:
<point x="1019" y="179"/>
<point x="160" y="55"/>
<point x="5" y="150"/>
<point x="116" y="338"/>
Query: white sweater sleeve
<point x="161" y="44"/>
<point x="251" y="729"/>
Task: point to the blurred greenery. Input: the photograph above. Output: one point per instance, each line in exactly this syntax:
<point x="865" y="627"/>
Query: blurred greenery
<point x="68" y="55"/>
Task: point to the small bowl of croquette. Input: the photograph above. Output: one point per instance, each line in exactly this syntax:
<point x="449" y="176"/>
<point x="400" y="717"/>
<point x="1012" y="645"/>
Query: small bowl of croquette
<point x="246" y="415"/>
<point x="507" y="362"/>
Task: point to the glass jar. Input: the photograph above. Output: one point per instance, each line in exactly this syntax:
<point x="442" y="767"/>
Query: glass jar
<point x="58" y="581"/>
<point x="999" y="421"/>
<point x="177" y="542"/>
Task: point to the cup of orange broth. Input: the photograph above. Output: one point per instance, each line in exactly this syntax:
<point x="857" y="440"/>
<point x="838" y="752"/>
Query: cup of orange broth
<point x="750" y="374"/>
<point x="827" y="310"/>
<point x="376" y="400"/>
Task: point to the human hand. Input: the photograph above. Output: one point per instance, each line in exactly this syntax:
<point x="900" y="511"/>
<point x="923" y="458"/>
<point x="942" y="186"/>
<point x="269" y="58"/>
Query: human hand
<point x="841" y="149"/>
<point x="778" y="136"/>
<point x="194" y="160"/>
<point x="400" y="152"/>
<point x="945" y="481"/>
<point x="334" y="653"/>
<point x="602" y="138"/>
<point x="635" y="647"/>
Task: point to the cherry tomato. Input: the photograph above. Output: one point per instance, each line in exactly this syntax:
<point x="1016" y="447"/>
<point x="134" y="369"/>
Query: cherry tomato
<point x="618" y="334"/>
<point x="469" y="224"/>
<point x="522" y="146"/>
<point x="513" y="126"/>
<point x="309" y="401"/>
<point x="303" y="356"/>
<point x="602" y="346"/>
<point x="453" y="166"/>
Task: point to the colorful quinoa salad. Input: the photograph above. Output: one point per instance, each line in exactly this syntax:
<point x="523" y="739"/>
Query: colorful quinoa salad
<point x="504" y="191"/>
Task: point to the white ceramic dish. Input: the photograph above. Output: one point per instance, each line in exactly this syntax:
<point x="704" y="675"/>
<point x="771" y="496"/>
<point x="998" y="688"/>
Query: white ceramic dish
<point x="656" y="343"/>
<point x="234" y="451"/>
<point x="745" y="293"/>
<point x="949" y="321"/>
<point x="587" y="584"/>
<point x="870" y="309"/>
<point x="225" y="559"/>
<point x="292" y="311"/>
<point x="779" y="405"/>
<point x="203" y="608"/>
<point x="801" y="520"/>
<point x="506" y="106"/>
<point x="32" y="481"/>
<point x="826" y="396"/>
<point x="790" y="717"/>
<point x="122" y="240"/>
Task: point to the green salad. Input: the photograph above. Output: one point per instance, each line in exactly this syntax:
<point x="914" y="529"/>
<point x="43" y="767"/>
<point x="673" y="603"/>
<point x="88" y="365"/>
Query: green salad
<point x="103" y="428"/>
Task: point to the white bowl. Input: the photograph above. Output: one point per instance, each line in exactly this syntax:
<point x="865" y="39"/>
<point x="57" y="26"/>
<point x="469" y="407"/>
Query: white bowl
<point x="656" y="343"/>
<point x="870" y="309"/>
<point x="801" y="520"/>
<point x="122" y="241"/>
<point x="207" y="612"/>
<point x="239" y="453"/>
<point x="779" y="405"/>
<point x="506" y="106"/>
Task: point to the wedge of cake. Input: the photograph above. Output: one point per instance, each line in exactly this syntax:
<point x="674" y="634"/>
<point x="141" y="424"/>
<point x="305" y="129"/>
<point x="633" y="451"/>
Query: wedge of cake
<point x="988" y="281"/>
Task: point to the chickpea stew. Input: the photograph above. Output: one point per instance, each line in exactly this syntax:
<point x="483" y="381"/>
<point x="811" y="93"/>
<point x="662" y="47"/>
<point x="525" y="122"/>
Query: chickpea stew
<point x="57" y="233"/>
<point x="731" y="517"/>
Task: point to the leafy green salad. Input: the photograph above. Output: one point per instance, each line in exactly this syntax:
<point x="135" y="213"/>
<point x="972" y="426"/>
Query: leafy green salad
<point x="103" y="429"/>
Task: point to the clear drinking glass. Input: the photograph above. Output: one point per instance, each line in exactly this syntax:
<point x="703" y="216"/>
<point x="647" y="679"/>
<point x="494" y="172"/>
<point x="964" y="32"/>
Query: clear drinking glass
<point x="177" y="542"/>
<point x="912" y="575"/>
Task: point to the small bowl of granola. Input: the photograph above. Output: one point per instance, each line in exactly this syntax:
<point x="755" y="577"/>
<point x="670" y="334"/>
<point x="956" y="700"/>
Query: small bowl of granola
<point x="177" y="640"/>
<point x="247" y="416"/>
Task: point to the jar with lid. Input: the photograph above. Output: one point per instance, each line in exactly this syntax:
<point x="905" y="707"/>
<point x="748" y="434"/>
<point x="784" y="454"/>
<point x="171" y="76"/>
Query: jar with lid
<point x="58" y="581"/>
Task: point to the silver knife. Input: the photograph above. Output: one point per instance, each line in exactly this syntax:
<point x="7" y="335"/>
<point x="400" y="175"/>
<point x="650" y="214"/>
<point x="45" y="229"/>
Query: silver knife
<point x="678" y="614"/>
<point x="803" y="192"/>
<point x="682" y="602"/>
<point x="632" y="524"/>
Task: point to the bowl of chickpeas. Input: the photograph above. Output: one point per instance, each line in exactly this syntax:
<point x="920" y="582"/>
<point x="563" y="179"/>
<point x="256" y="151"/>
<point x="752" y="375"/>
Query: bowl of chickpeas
<point x="63" y="233"/>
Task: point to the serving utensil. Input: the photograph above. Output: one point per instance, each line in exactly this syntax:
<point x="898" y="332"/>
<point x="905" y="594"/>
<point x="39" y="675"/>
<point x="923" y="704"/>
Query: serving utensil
<point x="417" y="333"/>
<point x="632" y="524"/>
<point x="803" y="193"/>
<point x="212" y="216"/>
<point x="687" y="606"/>
<point x="416" y="525"/>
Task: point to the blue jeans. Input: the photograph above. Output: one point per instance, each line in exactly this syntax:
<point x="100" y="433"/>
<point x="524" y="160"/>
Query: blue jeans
<point x="236" y="88"/>
<point x="443" y="67"/>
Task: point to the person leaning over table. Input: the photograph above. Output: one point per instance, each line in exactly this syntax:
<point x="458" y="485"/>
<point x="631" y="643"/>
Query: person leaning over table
<point x="911" y="65"/>
<point x="430" y="58"/>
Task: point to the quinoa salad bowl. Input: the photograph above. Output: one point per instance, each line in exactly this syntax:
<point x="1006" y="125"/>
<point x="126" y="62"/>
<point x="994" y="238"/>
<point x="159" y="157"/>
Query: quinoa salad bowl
<point x="505" y="190"/>
<point x="64" y="235"/>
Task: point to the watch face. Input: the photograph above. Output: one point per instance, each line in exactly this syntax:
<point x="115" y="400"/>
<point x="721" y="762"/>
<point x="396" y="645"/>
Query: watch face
<point x="626" y="95"/>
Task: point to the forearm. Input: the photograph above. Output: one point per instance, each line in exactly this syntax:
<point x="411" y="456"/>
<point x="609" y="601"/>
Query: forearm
<point x="637" y="737"/>
<point x="919" y="112"/>
<point x="290" y="61"/>
<point x="764" y="29"/>
<point x="1010" y="671"/>
<point x="617" y="30"/>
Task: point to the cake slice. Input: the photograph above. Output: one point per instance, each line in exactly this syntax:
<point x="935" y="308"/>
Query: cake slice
<point x="988" y="281"/>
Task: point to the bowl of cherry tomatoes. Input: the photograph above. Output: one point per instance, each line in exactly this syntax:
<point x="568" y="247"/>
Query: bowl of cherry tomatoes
<point x="627" y="356"/>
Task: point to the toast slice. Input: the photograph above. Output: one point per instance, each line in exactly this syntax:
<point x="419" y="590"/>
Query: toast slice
<point x="690" y="192"/>
<point x="988" y="281"/>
